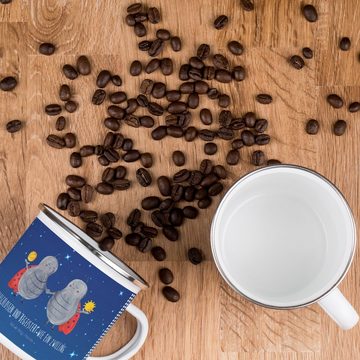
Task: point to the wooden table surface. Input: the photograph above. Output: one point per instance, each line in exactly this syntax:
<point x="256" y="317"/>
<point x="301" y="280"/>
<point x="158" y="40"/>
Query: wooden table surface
<point x="210" y="321"/>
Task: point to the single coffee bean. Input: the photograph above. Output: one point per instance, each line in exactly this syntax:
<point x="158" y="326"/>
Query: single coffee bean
<point x="158" y="90"/>
<point x="206" y="166"/>
<point x="87" y="192"/>
<point x="8" y="83"/>
<point x="272" y="162"/>
<point x="307" y="53"/>
<point x="205" y="203"/>
<point x="130" y="20"/>
<point x="83" y="65"/>
<point x="201" y="87"/>
<point x="70" y="140"/>
<point x="149" y="231"/>
<point x="207" y="135"/>
<point x="158" y="253"/>
<point x="118" y="141"/>
<point x="103" y="160"/>
<point x="196" y="62"/>
<point x="310" y="13"/>
<point x="75" y="160"/>
<point x="189" y="193"/>
<point x="247" y="137"/>
<point x="145" y="245"/>
<point x="201" y="193"/>
<point x="177" y="192"/>
<point x="131" y="156"/>
<point x="187" y="87"/>
<point x="225" y="118"/>
<point x="64" y="92"/>
<point x="175" y="131"/>
<point x="175" y="43"/>
<point x="71" y="106"/>
<point x="220" y="22"/>
<point x="170" y="233"/>
<point x="224" y="100"/>
<point x="108" y="175"/>
<point x="155" y="109"/>
<point x="55" y="141"/>
<point x="104" y="188"/>
<point x="223" y="76"/>
<point x="339" y="127"/>
<point x="190" y="212"/>
<point x="46" y="49"/>
<point x="112" y="155"/>
<point x="116" y="112"/>
<point x="150" y="203"/>
<point x="135" y="68"/>
<point x="215" y="189"/>
<point x="166" y="66"/>
<point x="177" y="107"/>
<point x="235" y="47"/>
<point x="225" y="133"/>
<point x="176" y="217"/>
<point x="164" y="185"/>
<point x="190" y="133"/>
<point x="134" y="217"/>
<point x="238" y="73"/>
<point x="195" y="256"/>
<point x="143" y="177"/>
<point x="116" y="80"/>
<point x="220" y="171"/>
<point x="158" y="218"/>
<point x="258" y="158"/>
<point x="233" y="157"/>
<point x="154" y="15"/>
<point x="103" y="78"/>
<point x="209" y="180"/>
<point x="163" y="34"/>
<point x="221" y="62"/>
<point x="94" y="230"/>
<point x="134" y="8"/>
<point x="264" y="98"/>
<point x="250" y="119"/>
<point x="70" y="72"/>
<point x="146" y="86"/>
<point x="156" y="48"/>
<point x="74" y="208"/>
<point x="99" y="150"/>
<point x="181" y="176"/>
<point x="75" y="181"/>
<point x="140" y="29"/>
<point x="108" y="220"/>
<point x="112" y="123"/>
<point x="178" y="158"/>
<point x="247" y="5"/>
<point x="196" y="177"/>
<point x="297" y="62"/>
<point x="210" y="148"/>
<point x="171" y="294"/>
<point x="132" y="105"/>
<point x="132" y="121"/>
<point x="262" y="139"/>
<point x="142" y="100"/>
<point x="184" y="72"/>
<point x="53" y="109"/>
<point x="13" y="126"/>
<point x="115" y="233"/>
<point x="335" y="101"/>
<point x="206" y="116"/>
<point x="213" y="93"/>
<point x="140" y="17"/>
<point x="98" y="97"/>
<point x="144" y="45"/>
<point x="106" y="243"/>
<point x="261" y="125"/>
<point x="146" y="160"/>
<point x="159" y="133"/>
<point x="193" y="100"/>
<point x="88" y="215"/>
<point x="312" y="127"/>
<point x="354" y="107"/>
<point x="62" y="201"/>
<point x="120" y="172"/>
<point x="118" y="97"/>
<point x="345" y="44"/>
<point x="195" y="74"/>
<point x="87" y="150"/>
<point x="203" y="51"/>
<point x="166" y="276"/>
<point x="173" y="95"/>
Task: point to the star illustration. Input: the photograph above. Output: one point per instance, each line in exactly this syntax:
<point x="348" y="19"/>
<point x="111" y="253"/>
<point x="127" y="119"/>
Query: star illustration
<point x="72" y="354"/>
<point x="67" y="257"/>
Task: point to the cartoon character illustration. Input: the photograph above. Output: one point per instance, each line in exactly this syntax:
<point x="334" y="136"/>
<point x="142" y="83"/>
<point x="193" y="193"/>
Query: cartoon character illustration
<point x="30" y="282"/>
<point x="64" y="307"/>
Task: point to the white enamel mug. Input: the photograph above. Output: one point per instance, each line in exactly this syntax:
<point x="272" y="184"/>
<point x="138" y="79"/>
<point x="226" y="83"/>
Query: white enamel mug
<point x="284" y="237"/>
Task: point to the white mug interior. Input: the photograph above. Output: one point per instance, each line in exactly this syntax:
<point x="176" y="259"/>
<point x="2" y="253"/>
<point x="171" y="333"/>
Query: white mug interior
<point x="283" y="236"/>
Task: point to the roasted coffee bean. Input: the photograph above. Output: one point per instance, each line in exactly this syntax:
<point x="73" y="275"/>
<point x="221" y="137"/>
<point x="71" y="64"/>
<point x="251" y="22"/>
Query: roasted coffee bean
<point x="220" y="62"/>
<point x="163" y="34"/>
<point x="71" y="106"/>
<point x="345" y="44"/>
<point x="209" y="74"/>
<point x="156" y="47"/>
<point x="177" y="107"/>
<point x="307" y="53"/>
<point x="272" y="162"/>
<point x="225" y="118"/>
<point x="108" y="175"/>
<point x="166" y="66"/>
<point x="87" y="150"/>
<point x="159" y="133"/>
<point x="70" y="72"/>
<point x="103" y="160"/>
<point x="116" y="80"/>
<point x="206" y="166"/>
<point x="99" y="150"/>
<point x="225" y="133"/>
<point x="170" y="233"/>
<point x="175" y="131"/>
<point x="258" y="158"/>
<point x="206" y="202"/>
<point x="235" y="47"/>
<point x="310" y="13"/>
<point x="118" y="97"/>
<point x="75" y="181"/>
<point x="127" y="144"/>
<point x="164" y="185"/>
<point x="250" y="119"/>
<point x="149" y="231"/>
<point x="247" y="5"/>
<point x="167" y="205"/>
<point x="190" y="133"/>
<point x="55" y="141"/>
<point x="8" y="83"/>
<point x="207" y="135"/>
<point x="261" y="125"/>
<point x="159" y="90"/>
<point x="158" y="218"/>
<point x="106" y="243"/>
<point x="201" y="87"/>
<point x="150" y="203"/>
<point x="144" y="45"/>
<point x="132" y="105"/>
<point x="247" y="137"/>
<point x="104" y="188"/>
<point x="146" y="86"/>
<point x="195" y="74"/>
<point x="193" y="100"/>
<point x="237" y="124"/>
<point x="131" y="156"/>
<point x="238" y="73"/>
<point x="187" y="87"/>
<point x="175" y="43"/>
<point x="115" y="233"/>
<point x="94" y="230"/>
<point x="98" y="97"/>
<point x="64" y="92"/>
<point x="220" y="22"/>
<point x="201" y="193"/>
<point x="209" y="179"/>
<point x="13" y="126"/>
<point x="215" y="189"/>
<point x="210" y="148"/>
<point x="158" y="253"/>
<point x="116" y="112"/>
<point x="176" y="217"/>
<point x="74" y="208"/>
<point x="132" y="121"/>
<point x="143" y="177"/>
<point x="195" y="256"/>
<point x="263" y="98"/>
<point x="70" y="140"/>
<point x="120" y="172"/>
<point x="178" y="158"/>
<point x="354" y="107"/>
<point x="189" y="193"/>
<point x="206" y="116"/>
<point x="103" y="78"/>
<point x="220" y="171"/>
<point x="184" y="72"/>
<point x="135" y="68"/>
<point x="139" y="29"/>
<point x="196" y="63"/>
<point x="233" y="157"/>
<point x="335" y="101"/>
<point x="145" y="245"/>
<point x="154" y="15"/>
<point x="134" y="8"/>
<point x="171" y="294"/>
<point x="223" y="76"/>
<point x="87" y="192"/>
<point x="152" y="65"/>
<point x="140" y="17"/>
<point x="312" y="127"/>
<point x="181" y="176"/>
<point x="196" y="177"/>
<point x="88" y="215"/>
<point x="75" y="160"/>
<point x="339" y="127"/>
<point x="203" y="51"/>
<point x="83" y="65"/>
<point x="262" y="139"/>
<point x="146" y="160"/>
<point x="177" y="192"/>
<point x="297" y="62"/>
<point x="53" y="109"/>
<point x="62" y="201"/>
<point x="224" y="100"/>
<point x="166" y="276"/>
<point x="213" y="93"/>
<point x="190" y="212"/>
<point x="173" y="95"/>
<point x="134" y="217"/>
<point x="112" y="123"/>
<point x="46" y="49"/>
<point x="155" y="109"/>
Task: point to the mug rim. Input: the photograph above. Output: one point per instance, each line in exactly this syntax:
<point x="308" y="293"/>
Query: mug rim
<point x="221" y="204"/>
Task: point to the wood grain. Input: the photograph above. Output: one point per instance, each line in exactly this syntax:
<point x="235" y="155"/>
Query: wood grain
<point x="211" y="321"/>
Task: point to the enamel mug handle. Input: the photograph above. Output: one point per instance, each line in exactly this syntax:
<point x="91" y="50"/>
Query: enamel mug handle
<point x="339" y="309"/>
<point x="137" y="341"/>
